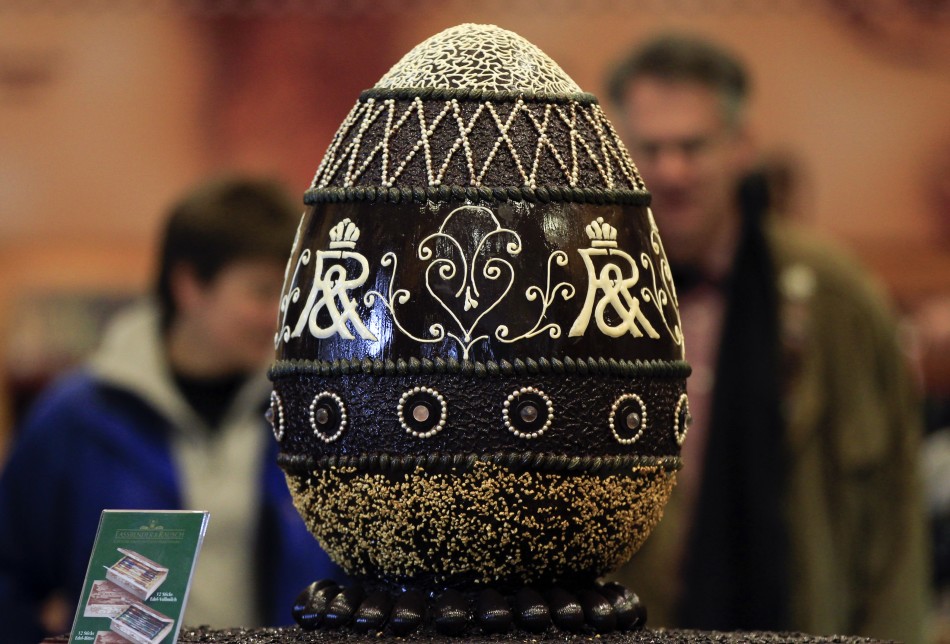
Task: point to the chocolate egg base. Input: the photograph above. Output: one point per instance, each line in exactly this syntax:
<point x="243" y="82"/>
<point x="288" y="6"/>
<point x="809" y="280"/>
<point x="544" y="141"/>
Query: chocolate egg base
<point x="367" y="609"/>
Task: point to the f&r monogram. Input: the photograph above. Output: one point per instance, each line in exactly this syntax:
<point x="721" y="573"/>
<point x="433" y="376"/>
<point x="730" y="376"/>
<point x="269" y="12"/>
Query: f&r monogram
<point x="332" y="282"/>
<point x="615" y="287"/>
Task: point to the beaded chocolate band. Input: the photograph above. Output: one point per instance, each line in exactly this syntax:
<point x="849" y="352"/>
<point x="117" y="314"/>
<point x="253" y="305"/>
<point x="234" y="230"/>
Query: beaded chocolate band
<point x="302" y="465"/>
<point x="587" y="415"/>
<point x="479" y="95"/>
<point x="529" y="366"/>
<point x="442" y="193"/>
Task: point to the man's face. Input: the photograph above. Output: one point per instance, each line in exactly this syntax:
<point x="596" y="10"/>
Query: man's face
<point x="237" y="311"/>
<point x="690" y="159"/>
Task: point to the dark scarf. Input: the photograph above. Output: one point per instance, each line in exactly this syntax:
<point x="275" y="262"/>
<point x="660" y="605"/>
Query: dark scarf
<point x="735" y="574"/>
<point x="210" y="398"/>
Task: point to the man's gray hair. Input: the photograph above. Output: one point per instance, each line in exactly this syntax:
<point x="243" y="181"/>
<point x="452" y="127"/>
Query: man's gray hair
<point x="684" y="58"/>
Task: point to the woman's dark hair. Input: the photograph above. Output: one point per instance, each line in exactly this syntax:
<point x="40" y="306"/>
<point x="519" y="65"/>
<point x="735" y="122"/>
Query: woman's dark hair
<point x="220" y="222"/>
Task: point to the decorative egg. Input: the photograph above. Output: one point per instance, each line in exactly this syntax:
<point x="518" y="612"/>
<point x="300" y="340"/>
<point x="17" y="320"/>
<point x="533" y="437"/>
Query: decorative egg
<point x="480" y="376"/>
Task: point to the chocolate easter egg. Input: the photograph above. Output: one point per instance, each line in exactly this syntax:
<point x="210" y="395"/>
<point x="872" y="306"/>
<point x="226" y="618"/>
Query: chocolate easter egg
<point x="480" y="377"/>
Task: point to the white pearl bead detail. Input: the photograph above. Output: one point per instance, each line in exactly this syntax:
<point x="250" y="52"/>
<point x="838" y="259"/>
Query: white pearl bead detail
<point x="506" y="407"/>
<point x="277" y="422"/>
<point x="443" y="414"/>
<point x="678" y="431"/>
<point x="612" y="419"/>
<point x="313" y="419"/>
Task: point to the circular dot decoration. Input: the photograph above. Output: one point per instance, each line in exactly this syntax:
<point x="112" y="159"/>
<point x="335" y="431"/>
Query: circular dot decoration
<point x="422" y="412"/>
<point x="327" y="416"/>
<point x="628" y="418"/>
<point x="528" y="412"/>
<point x="681" y="419"/>
<point x="275" y="416"/>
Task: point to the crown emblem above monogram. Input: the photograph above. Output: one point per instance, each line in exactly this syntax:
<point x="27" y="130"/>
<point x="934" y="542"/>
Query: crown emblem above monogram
<point x="602" y="234"/>
<point x="344" y="235"/>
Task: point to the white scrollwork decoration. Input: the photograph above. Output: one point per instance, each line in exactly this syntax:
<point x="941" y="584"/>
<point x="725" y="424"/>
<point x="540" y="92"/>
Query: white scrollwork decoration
<point x="451" y="279"/>
<point x="400" y="296"/>
<point x="662" y="292"/>
<point x="289" y="297"/>
<point x="547" y="296"/>
<point x="289" y="293"/>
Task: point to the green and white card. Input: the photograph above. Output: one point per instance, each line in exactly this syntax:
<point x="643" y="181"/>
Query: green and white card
<point x="138" y="577"/>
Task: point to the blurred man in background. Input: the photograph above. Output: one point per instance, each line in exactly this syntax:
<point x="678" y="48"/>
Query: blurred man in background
<point x="798" y="504"/>
<point x="169" y="414"/>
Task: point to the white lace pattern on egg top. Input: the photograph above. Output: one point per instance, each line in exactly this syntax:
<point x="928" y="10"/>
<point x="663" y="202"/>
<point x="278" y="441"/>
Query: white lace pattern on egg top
<point x="479" y="57"/>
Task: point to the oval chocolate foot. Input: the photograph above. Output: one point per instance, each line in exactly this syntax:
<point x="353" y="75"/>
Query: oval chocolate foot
<point x="592" y="609"/>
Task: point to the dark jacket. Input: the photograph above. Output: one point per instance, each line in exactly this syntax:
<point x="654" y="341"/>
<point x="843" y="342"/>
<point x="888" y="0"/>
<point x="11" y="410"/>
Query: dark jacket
<point x="89" y="445"/>
<point x="857" y="549"/>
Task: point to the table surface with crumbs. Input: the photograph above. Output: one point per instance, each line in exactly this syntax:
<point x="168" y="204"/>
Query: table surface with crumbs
<point x="294" y="635"/>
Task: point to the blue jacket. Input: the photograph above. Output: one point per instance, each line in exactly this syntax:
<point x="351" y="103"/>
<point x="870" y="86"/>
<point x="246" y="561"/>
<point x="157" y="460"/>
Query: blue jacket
<point x="88" y="446"/>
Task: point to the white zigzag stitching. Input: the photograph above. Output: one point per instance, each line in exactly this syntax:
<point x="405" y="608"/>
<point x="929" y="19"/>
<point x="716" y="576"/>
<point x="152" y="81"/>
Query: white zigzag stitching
<point x="606" y="152"/>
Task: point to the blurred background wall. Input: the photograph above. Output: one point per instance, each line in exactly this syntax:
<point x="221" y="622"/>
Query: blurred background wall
<point x="109" y="109"/>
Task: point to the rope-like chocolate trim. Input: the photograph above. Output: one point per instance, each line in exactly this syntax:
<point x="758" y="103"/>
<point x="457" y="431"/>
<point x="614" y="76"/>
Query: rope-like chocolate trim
<point x="470" y="94"/>
<point x="556" y="463"/>
<point x="424" y="194"/>
<point x="530" y="366"/>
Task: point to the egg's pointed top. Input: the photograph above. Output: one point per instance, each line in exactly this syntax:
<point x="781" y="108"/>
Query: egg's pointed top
<point x="479" y="57"/>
